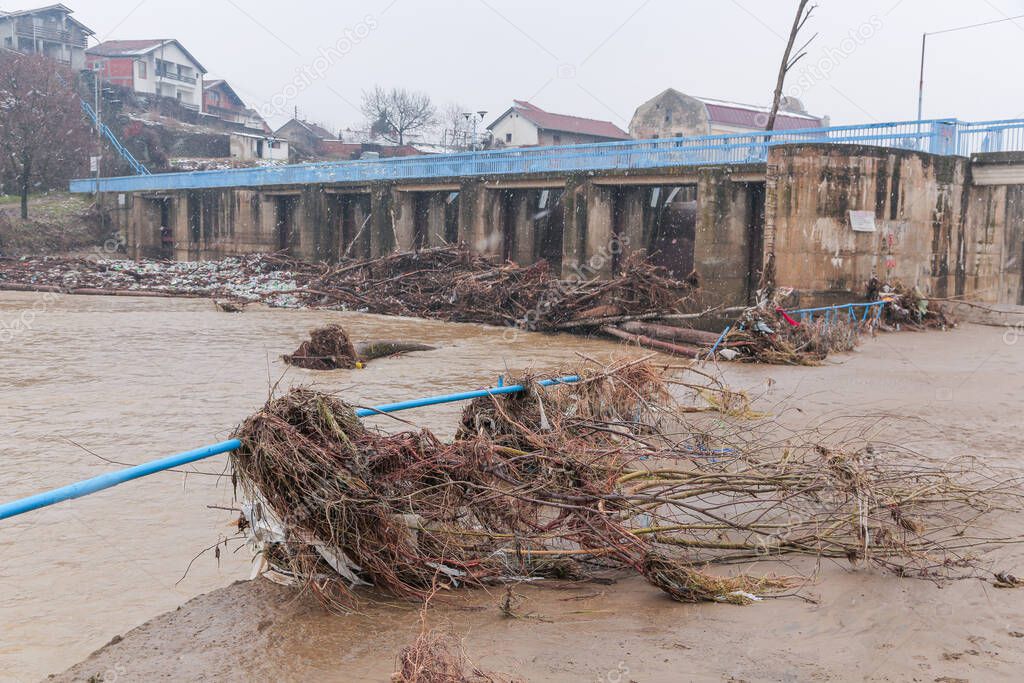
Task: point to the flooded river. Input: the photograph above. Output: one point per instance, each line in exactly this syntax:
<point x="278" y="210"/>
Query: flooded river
<point x="129" y="380"/>
<point x="134" y="379"/>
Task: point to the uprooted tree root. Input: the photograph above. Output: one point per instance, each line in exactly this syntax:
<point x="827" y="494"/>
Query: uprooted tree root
<point x="581" y="478"/>
<point x="329" y="348"/>
<point x="434" y="657"/>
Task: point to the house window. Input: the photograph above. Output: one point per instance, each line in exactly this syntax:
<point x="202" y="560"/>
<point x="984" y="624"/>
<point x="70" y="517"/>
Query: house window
<point x="508" y="137"/>
<point x="557" y="139"/>
<point x="142" y="70"/>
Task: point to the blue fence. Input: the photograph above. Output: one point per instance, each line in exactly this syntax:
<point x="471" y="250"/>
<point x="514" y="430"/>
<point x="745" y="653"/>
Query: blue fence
<point x="939" y="136"/>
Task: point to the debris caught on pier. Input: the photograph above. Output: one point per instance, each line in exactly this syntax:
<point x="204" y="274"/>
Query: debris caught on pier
<point x="580" y="479"/>
<point x="444" y="283"/>
<point x="908" y="307"/>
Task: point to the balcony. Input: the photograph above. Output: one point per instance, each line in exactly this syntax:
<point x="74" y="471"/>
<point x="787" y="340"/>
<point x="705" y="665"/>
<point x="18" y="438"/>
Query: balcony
<point x="175" y="76"/>
<point x="53" y="35"/>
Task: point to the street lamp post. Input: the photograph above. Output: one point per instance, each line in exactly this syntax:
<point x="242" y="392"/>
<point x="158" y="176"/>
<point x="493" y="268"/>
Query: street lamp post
<point x="474" y="118"/>
<point x="924" y="42"/>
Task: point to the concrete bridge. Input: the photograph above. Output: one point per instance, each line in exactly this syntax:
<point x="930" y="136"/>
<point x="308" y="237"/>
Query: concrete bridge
<point x="939" y="204"/>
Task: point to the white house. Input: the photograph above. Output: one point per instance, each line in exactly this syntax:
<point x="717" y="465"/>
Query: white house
<point x="161" y="67"/>
<point x="526" y="125"/>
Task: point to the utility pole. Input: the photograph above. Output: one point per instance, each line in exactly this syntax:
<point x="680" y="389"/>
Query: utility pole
<point x="99" y="129"/>
<point x="924" y="39"/>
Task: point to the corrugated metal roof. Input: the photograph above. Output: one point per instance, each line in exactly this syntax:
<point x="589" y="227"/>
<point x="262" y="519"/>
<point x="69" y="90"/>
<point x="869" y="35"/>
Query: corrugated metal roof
<point x="756" y="117"/>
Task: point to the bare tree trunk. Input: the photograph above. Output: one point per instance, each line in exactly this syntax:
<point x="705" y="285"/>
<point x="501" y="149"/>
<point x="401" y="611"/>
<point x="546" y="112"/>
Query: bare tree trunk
<point x="26" y="175"/>
<point x="802" y="15"/>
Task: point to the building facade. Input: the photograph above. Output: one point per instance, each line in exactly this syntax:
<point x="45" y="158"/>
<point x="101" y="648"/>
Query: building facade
<point x="160" y="67"/>
<point x="221" y="100"/>
<point x="526" y="125"/>
<point x="49" y="31"/>
<point x="674" y="114"/>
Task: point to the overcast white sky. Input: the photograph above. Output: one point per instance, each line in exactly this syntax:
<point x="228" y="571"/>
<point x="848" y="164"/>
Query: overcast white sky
<point x="597" y="59"/>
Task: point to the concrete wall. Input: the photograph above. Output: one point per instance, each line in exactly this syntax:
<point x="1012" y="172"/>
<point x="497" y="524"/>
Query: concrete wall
<point x="917" y="201"/>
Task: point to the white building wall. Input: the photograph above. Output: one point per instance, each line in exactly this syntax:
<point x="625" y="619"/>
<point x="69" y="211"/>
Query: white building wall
<point x="524" y="133"/>
<point x="190" y="94"/>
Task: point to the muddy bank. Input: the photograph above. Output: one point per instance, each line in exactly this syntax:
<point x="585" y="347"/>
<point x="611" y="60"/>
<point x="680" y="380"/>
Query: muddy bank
<point x="943" y="394"/>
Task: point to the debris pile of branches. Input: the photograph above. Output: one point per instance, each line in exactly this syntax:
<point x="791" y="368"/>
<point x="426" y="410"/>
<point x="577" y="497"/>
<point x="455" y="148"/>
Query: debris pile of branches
<point x="908" y="307"/>
<point x="445" y="283"/>
<point x="764" y="335"/>
<point x="583" y="478"/>
<point x="453" y="284"/>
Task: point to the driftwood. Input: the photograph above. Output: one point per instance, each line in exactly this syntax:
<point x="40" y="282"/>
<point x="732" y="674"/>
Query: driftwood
<point x="650" y="343"/>
<point x="370" y="350"/>
<point x="670" y="333"/>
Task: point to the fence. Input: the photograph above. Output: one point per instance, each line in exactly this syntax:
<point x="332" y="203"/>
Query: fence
<point x="938" y="136"/>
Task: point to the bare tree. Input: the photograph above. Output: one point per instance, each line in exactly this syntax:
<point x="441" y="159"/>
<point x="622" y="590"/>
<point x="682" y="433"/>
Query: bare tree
<point x="394" y="114"/>
<point x="44" y="139"/>
<point x="456" y="129"/>
<point x="789" y="60"/>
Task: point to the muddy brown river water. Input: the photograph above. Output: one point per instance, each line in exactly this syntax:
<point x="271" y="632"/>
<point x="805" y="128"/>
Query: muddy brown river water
<point x="134" y="379"/>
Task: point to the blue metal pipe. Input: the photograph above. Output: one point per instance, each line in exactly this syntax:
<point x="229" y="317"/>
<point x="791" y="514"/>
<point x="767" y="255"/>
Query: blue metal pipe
<point x="110" y="479"/>
<point x="464" y="396"/>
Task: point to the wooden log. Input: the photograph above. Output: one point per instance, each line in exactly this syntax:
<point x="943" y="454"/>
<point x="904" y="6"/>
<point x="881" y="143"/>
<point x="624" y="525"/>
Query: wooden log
<point x="670" y="333"/>
<point x="656" y="344"/>
<point x="379" y="349"/>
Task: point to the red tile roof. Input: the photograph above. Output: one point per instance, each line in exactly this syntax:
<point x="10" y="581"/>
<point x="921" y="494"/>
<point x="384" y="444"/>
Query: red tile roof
<point x="566" y="124"/>
<point x="134" y="48"/>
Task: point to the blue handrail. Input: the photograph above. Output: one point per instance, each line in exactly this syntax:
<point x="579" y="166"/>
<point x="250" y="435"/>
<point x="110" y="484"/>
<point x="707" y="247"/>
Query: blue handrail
<point x="135" y="164"/>
<point x="937" y="136"/>
<point x="111" y="479"/>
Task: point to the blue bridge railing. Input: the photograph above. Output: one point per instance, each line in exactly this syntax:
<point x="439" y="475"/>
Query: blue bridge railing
<point x="938" y="136"/>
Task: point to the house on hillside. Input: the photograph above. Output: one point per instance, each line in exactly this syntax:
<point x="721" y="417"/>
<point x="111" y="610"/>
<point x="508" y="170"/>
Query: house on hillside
<point x="673" y="114"/>
<point x="221" y="100"/>
<point x="527" y="125"/>
<point x="49" y="31"/>
<point x="304" y="137"/>
<point x="161" y="67"/>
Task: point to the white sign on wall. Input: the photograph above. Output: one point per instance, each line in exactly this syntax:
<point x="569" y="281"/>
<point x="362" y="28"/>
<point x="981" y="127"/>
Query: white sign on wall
<point x="862" y="221"/>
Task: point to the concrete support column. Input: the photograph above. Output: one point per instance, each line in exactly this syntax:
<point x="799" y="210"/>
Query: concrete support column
<point x="575" y="230"/>
<point x="360" y="214"/>
<point x="470" y="212"/>
<point x="435" y="219"/>
<point x="722" y="244"/>
<point x="600" y="235"/>
<point x="522" y="225"/>
<point x="382" y="224"/>
<point x="403" y="212"/>
<point x="179" y="225"/>
<point x="630" y="220"/>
